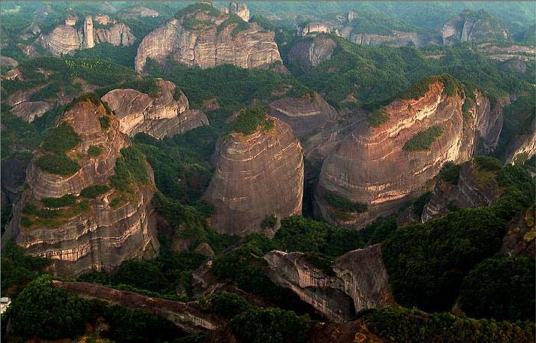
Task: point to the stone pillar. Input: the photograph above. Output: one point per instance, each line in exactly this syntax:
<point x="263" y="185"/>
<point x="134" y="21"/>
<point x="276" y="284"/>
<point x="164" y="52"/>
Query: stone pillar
<point x="89" y="41"/>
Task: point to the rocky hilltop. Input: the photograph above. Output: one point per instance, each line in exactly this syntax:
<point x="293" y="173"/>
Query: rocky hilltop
<point x="355" y="281"/>
<point x="68" y="38"/>
<point x="381" y="165"/>
<point x="311" y="51"/>
<point x="306" y="114"/>
<point x="472" y="26"/>
<point x="258" y="174"/>
<point x="87" y="199"/>
<point x="200" y="35"/>
<point x="165" y="113"/>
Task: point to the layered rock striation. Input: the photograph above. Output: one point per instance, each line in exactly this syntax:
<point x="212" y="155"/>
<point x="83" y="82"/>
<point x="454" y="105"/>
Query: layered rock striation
<point x="163" y="114"/>
<point x="356" y="281"/>
<point x="385" y="165"/>
<point x="80" y="210"/>
<point x="257" y="175"/>
<point x="205" y="37"/>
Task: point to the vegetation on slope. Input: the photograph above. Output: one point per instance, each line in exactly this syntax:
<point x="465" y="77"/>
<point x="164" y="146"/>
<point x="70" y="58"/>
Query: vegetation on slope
<point x="423" y="140"/>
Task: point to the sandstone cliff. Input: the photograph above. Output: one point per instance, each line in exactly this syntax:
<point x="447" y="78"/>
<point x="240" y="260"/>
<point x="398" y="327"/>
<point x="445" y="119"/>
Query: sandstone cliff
<point x="357" y="281"/>
<point x="204" y="37"/>
<point x="67" y="39"/>
<point x="257" y="175"/>
<point x="311" y="51"/>
<point x="471" y="26"/>
<point x="522" y="148"/>
<point x="372" y="166"/>
<point x="474" y="188"/>
<point x="397" y="38"/>
<point x="307" y="114"/>
<point x="164" y="114"/>
<point x="81" y="210"/>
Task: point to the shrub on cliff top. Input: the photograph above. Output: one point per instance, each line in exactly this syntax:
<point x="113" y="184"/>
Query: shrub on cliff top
<point x="250" y="119"/>
<point x="233" y="19"/>
<point x="341" y="203"/>
<point x="63" y="201"/>
<point x="58" y="164"/>
<point x="418" y="89"/>
<point x="60" y="139"/>
<point x="423" y="140"/>
<point x="207" y="8"/>
<point x="94" y="191"/>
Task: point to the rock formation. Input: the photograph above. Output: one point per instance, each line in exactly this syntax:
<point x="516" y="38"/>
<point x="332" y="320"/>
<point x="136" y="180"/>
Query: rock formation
<point x="520" y="238"/>
<point x="311" y="51"/>
<point x="314" y="28"/>
<point x="397" y="38"/>
<point x="31" y="110"/>
<point x="522" y="148"/>
<point x="140" y="12"/>
<point x="67" y="39"/>
<point x="489" y="126"/>
<point x="206" y="38"/>
<point x="257" y="175"/>
<point x="66" y="216"/>
<point x="371" y="165"/>
<point x="187" y="316"/>
<point x="307" y="114"/>
<point x="471" y="190"/>
<point x="8" y="62"/>
<point x="239" y="9"/>
<point x="357" y="280"/>
<point x="164" y="114"/>
<point x="470" y="26"/>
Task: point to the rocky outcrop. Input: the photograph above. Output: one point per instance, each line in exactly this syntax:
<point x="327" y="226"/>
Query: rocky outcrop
<point x="82" y="232"/>
<point x="311" y="51"/>
<point x="471" y="26"/>
<point x="473" y="189"/>
<point x="67" y="39"/>
<point x="140" y="12"/>
<point x="307" y="114"/>
<point x="315" y="28"/>
<point x="520" y="237"/>
<point x="31" y="110"/>
<point x="372" y="167"/>
<point x="257" y="175"/>
<point x="522" y="148"/>
<point x="160" y="115"/>
<point x="8" y="62"/>
<point x="397" y="38"/>
<point x="187" y="316"/>
<point x="239" y="9"/>
<point x="489" y="126"/>
<point x="208" y="38"/>
<point x="356" y="281"/>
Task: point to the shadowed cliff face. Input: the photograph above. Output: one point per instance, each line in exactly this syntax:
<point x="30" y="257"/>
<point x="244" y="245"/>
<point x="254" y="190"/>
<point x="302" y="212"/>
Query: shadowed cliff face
<point x="159" y="116"/>
<point x="207" y="40"/>
<point x="473" y="189"/>
<point x="57" y="216"/>
<point x="358" y="281"/>
<point x="371" y="165"/>
<point x="311" y="51"/>
<point x="470" y="26"/>
<point x="257" y="175"/>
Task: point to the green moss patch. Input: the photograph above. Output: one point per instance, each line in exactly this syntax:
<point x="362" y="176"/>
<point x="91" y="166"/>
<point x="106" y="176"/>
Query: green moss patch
<point x="95" y="150"/>
<point x="250" y="119"/>
<point x="66" y="200"/>
<point x="377" y="117"/>
<point x="94" y="191"/>
<point x="58" y="164"/>
<point x="343" y="204"/>
<point x="60" y="139"/>
<point x="423" y="140"/>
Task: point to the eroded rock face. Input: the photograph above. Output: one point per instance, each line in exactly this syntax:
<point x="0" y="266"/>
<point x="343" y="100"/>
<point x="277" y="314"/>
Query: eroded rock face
<point x="160" y="115"/>
<point x="468" y="192"/>
<point x="489" y="126"/>
<point x="521" y="235"/>
<point x="305" y="115"/>
<point x="31" y="110"/>
<point x="256" y="176"/>
<point x="470" y="26"/>
<point x="397" y="38"/>
<point x="314" y="28"/>
<point x="371" y="167"/>
<point x="240" y="9"/>
<point x="206" y="40"/>
<point x="67" y="39"/>
<point x="91" y="233"/>
<point x="312" y="51"/>
<point x="522" y="148"/>
<point x="358" y="280"/>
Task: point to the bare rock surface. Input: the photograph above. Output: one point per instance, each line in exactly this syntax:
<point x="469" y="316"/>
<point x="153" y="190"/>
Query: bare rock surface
<point x="161" y="115"/>
<point x="89" y="233"/>
<point x="312" y="51"/>
<point x="357" y="280"/>
<point x="257" y="175"/>
<point x="31" y="110"/>
<point x="205" y="39"/>
<point x="471" y="26"/>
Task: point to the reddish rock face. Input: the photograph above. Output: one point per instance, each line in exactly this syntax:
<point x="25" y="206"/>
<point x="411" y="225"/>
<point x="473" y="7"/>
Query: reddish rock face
<point x="208" y="46"/>
<point x="370" y="166"/>
<point x="358" y="281"/>
<point x="256" y="176"/>
<point x="89" y="233"/>
<point x="159" y="116"/>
